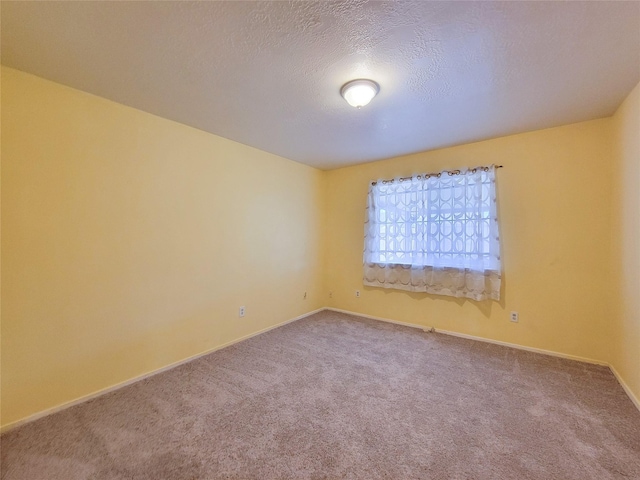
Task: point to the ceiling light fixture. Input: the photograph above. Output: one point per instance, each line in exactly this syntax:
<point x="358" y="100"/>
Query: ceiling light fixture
<point x="358" y="93"/>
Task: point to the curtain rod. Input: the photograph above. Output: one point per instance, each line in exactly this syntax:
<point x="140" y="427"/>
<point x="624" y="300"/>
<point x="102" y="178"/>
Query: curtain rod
<point x="428" y="175"/>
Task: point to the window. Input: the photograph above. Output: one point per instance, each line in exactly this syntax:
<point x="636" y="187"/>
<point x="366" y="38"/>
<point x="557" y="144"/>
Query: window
<point x="439" y="224"/>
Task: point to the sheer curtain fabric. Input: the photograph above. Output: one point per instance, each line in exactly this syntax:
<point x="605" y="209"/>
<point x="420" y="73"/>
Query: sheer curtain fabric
<point x="435" y="233"/>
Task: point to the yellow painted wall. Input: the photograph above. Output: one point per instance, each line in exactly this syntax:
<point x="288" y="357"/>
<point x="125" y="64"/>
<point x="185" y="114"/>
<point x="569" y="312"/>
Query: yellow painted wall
<point x="625" y="355"/>
<point x="554" y="196"/>
<point x="129" y="242"/>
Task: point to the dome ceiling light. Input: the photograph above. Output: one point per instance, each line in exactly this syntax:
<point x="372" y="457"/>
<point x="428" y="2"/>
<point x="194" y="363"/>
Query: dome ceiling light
<point x="359" y="93"/>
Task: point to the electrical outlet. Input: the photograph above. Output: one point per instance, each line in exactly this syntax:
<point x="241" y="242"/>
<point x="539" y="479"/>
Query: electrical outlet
<point x="357" y="293"/>
<point x="514" y="317"/>
<point x="241" y="312"/>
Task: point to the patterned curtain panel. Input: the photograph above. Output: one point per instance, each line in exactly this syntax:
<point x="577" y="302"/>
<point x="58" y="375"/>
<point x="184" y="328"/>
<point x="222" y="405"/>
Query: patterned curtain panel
<point x="435" y="233"/>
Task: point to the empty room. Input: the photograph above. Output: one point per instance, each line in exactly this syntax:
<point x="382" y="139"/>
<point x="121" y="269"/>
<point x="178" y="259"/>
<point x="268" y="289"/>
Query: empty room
<point x="320" y="240"/>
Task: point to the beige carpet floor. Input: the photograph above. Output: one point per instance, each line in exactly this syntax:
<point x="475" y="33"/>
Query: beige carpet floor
<point x="341" y="397"/>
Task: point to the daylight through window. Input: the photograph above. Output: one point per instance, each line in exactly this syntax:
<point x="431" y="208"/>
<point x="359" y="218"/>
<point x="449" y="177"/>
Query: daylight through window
<point x="434" y="223"/>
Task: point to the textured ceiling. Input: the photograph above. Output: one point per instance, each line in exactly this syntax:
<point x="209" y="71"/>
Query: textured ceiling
<point x="268" y="74"/>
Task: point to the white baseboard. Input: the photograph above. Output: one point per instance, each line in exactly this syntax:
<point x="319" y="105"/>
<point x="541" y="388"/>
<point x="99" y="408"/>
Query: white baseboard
<point x="542" y="351"/>
<point x="98" y="393"/>
<point x="117" y="386"/>
<point x="479" y="339"/>
<point x="625" y="387"/>
<point x="381" y="319"/>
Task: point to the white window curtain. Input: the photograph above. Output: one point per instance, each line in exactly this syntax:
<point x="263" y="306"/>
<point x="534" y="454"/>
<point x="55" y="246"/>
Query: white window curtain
<point x="435" y="233"/>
